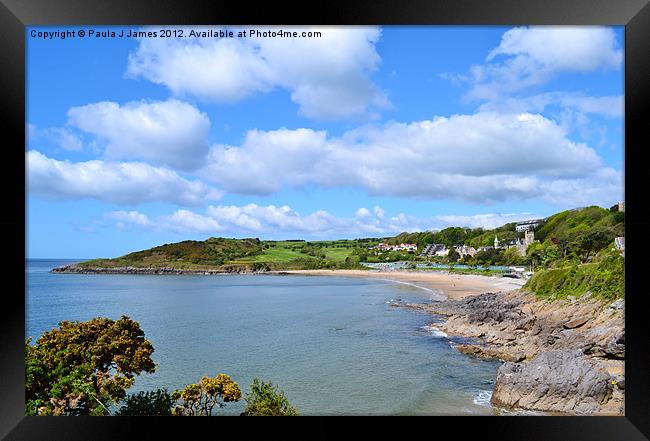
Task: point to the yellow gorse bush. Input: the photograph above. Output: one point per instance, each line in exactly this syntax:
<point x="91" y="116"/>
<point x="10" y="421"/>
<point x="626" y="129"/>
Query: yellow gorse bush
<point x="199" y="399"/>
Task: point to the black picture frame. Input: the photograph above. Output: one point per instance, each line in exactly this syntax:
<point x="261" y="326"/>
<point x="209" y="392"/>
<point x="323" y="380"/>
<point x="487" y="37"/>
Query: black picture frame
<point x="15" y="15"/>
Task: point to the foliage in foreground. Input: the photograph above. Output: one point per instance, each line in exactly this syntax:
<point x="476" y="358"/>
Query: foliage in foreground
<point x="83" y="368"/>
<point x="199" y="399"/>
<point x="209" y="394"/>
<point x="265" y="399"/>
<point x="147" y="403"/>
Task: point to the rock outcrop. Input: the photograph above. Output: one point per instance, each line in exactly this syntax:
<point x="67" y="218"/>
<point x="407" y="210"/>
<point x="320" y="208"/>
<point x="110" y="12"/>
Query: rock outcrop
<point x="227" y="269"/>
<point x="554" y="381"/>
<point x="561" y="356"/>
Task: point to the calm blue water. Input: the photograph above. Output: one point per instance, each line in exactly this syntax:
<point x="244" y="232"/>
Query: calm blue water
<point x="333" y="344"/>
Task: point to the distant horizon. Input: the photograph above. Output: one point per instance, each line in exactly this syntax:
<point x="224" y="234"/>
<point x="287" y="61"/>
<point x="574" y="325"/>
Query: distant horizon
<point x="398" y="129"/>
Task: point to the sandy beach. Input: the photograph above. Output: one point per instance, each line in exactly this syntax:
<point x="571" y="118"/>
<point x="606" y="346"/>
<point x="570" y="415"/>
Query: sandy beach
<point x="452" y="286"/>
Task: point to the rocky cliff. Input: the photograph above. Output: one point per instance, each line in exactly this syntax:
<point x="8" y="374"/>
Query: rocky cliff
<point x="561" y="356"/>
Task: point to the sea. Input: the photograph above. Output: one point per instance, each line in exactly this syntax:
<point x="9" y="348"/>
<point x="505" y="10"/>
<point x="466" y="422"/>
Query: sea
<point x="333" y="344"/>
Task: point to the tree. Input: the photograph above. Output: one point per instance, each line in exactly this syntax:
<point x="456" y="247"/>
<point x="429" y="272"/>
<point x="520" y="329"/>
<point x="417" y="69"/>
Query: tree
<point x="362" y="254"/>
<point x="453" y="256"/>
<point x="511" y="256"/>
<point x="491" y="256"/>
<point x="619" y="217"/>
<point x="199" y="399"/>
<point x="587" y="245"/>
<point x="543" y="255"/>
<point x="84" y="367"/>
<point x="158" y="402"/>
<point x="265" y="399"/>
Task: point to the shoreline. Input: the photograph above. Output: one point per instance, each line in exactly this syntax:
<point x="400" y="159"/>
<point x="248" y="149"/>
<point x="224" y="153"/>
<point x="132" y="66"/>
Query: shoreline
<point x="451" y="286"/>
<point x="440" y="282"/>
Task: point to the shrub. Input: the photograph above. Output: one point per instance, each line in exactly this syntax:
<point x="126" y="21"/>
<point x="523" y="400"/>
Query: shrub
<point x="265" y="399"/>
<point x="158" y="402"/>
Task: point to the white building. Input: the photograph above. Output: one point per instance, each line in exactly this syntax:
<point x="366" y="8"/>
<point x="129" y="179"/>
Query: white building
<point x="435" y="249"/>
<point x="408" y="247"/>
<point x="619" y="243"/>
<point x="517" y="269"/>
<point x="528" y="225"/>
<point x="442" y="252"/>
<point x="465" y="250"/>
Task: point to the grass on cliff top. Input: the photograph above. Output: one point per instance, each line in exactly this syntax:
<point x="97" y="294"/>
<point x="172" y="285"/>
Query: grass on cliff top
<point x="272" y="254"/>
<point x="566" y="225"/>
<point x="210" y="253"/>
<point x="220" y="253"/>
<point x="605" y="278"/>
<point x="282" y="252"/>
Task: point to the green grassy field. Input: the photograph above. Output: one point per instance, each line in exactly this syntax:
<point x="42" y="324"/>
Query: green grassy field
<point x="337" y="253"/>
<point x="279" y="252"/>
<point x="276" y="253"/>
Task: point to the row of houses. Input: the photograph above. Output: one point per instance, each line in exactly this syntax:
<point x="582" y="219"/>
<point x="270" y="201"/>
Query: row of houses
<point x="440" y="250"/>
<point x="406" y="247"/>
<point x="434" y="249"/>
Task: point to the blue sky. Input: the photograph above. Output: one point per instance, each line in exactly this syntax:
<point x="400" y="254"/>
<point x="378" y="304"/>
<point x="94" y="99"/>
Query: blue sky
<point x="361" y="132"/>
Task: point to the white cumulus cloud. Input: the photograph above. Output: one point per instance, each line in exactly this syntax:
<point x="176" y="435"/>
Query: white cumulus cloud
<point x="608" y="106"/>
<point x="531" y="56"/>
<point x="170" y="133"/>
<point x="584" y="48"/>
<point x="124" y="218"/>
<point x="279" y="222"/>
<point x="484" y="157"/>
<point x="362" y="213"/>
<point x="485" y="220"/>
<point x="126" y="183"/>
<point x="254" y="217"/>
<point x="183" y="221"/>
<point x="63" y="137"/>
<point x="328" y="76"/>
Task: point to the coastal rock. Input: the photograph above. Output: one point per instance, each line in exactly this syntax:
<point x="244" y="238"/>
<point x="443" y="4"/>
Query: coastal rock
<point x="617" y="305"/>
<point x="576" y="323"/>
<point x="491" y="352"/>
<point x="554" y="381"/>
<point x="229" y="269"/>
<point x="518" y="327"/>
